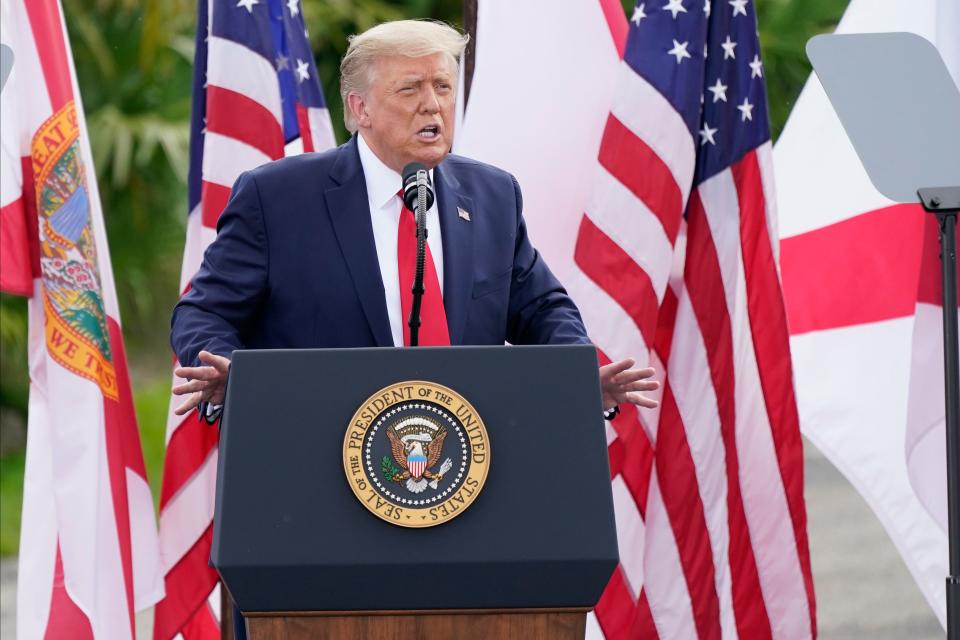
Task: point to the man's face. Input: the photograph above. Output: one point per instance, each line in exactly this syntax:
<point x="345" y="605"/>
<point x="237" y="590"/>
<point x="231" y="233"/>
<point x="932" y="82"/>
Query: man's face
<point x="406" y="115"/>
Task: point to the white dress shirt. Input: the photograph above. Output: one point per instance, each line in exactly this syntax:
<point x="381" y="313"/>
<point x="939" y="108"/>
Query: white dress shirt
<point x="385" y="205"/>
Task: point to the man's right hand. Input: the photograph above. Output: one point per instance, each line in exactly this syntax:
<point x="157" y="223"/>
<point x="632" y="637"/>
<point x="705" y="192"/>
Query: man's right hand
<point x="204" y="384"/>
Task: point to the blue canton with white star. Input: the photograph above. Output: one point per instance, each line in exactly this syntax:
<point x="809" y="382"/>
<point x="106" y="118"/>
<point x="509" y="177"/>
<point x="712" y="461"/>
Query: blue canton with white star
<point x="275" y="29"/>
<point x="704" y="58"/>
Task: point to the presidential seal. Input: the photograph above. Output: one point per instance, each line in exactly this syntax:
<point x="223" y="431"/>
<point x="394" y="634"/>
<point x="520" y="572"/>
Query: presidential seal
<point x="416" y="454"/>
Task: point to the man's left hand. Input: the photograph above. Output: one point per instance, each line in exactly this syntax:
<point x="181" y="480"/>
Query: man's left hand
<point x="619" y="383"/>
<point x="206" y="383"/>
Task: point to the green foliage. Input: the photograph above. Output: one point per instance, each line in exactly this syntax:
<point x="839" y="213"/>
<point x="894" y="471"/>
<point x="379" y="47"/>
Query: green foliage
<point x="134" y="69"/>
<point x="151" y="402"/>
<point x="785" y="27"/>
<point x="390" y="470"/>
<point x="329" y="22"/>
<point x="13" y="354"/>
<point x="11" y="499"/>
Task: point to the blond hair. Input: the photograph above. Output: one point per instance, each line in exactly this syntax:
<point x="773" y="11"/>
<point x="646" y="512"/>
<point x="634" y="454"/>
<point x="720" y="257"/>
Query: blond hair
<point x="410" y="38"/>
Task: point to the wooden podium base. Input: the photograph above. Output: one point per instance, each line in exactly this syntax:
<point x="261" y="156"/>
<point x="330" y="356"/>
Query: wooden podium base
<point x="479" y="624"/>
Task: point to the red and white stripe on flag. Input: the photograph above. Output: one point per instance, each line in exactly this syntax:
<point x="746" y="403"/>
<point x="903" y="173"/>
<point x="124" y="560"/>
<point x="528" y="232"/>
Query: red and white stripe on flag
<point x="239" y="123"/>
<point x="89" y="555"/>
<point x="861" y="278"/>
<point x="708" y="489"/>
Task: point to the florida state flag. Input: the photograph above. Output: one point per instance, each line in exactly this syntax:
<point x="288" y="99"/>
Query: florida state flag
<point x="88" y="547"/>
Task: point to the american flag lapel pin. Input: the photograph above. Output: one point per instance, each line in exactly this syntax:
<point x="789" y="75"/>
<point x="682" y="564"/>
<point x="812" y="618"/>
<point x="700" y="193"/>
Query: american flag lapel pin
<point x="463" y="213"/>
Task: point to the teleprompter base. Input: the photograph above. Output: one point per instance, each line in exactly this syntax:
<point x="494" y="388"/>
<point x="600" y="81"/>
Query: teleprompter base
<point x="480" y="624"/>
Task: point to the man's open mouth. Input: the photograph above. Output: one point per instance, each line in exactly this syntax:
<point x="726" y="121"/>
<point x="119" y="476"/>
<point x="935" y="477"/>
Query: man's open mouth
<point x="429" y="132"/>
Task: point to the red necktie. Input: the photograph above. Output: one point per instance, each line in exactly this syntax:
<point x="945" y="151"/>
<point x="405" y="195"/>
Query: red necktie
<point x="433" y="318"/>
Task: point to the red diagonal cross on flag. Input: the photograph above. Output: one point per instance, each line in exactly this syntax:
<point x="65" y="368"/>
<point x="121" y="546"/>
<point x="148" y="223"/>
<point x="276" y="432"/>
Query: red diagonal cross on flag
<point x="862" y="285"/>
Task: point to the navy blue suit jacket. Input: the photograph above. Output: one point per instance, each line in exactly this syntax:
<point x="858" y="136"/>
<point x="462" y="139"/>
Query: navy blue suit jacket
<point x="294" y="264"/>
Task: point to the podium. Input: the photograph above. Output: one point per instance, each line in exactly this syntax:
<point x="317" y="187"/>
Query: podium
<point x="453" y="492"/>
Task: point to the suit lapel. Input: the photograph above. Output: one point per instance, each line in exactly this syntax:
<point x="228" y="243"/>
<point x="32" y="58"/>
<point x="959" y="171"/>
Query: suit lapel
<point x="350" y="213"/>
<point x="457" y="235"/>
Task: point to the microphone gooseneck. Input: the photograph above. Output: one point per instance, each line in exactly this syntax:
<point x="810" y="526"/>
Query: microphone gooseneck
<point x="416" y="175"/>
<point x="418" y="197"/>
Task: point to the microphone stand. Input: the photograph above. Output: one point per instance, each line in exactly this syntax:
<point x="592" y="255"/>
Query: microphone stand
<point x="944" y="202"/>
<point x="421" y="217"/>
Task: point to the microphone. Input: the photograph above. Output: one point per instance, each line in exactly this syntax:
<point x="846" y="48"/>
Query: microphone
<point x="415" y="175"/>
<point x="418" y="197"/>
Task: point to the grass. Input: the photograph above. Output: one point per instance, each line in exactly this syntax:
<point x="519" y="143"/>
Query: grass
<point x="151" y="406"/>
<point x="11" y="497"/>
<point x="151" y="403"/>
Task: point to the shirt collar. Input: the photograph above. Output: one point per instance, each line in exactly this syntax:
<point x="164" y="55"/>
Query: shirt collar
<point x="383" y="183"/>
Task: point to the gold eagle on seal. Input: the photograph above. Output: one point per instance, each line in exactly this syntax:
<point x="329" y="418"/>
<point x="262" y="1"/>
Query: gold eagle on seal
<point x="416" y="444"/>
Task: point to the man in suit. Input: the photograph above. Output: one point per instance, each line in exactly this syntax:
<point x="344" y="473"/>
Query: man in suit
<point x="317" y="250"/>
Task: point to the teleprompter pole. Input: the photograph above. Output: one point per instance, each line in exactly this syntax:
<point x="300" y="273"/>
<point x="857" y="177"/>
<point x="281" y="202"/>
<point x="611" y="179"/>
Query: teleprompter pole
<point x="944" y="202"/>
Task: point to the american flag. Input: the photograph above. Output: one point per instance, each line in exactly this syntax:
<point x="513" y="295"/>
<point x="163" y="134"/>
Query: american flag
<point x="678" y="258"/>
<point x="256" y="98"/>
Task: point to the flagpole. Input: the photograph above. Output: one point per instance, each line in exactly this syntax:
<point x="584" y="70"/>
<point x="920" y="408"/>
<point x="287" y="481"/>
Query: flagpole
<point x="944" y="202"/>
<point x="470" y="55"/>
